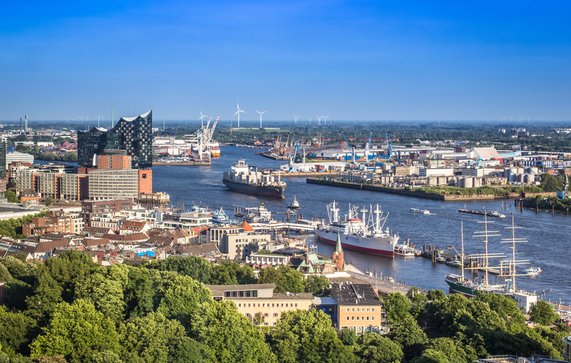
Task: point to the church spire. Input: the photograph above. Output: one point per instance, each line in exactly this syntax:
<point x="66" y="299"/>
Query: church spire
<point x="338" y="247"/>
<point x="338" y="255"/>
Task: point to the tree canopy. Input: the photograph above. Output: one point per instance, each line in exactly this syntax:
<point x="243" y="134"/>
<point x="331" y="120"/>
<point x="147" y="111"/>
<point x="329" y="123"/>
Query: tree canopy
<point x="69" y="309"/>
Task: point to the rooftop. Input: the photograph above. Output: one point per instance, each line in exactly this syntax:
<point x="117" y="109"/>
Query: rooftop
<point x="348" y="293"/>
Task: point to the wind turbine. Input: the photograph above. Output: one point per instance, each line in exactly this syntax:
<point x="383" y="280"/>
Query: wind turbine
<point x="261" y="114"/>
<point x="201" y="118"/>
<point x="295" y="119"/>
<point x="319" y="120"/>
<point x="325" y="117"/>
<point x="238" y="112"/>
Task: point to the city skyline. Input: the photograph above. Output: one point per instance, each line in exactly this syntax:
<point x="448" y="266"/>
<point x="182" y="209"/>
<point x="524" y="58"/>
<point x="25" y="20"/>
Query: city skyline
<point x="353" y="61"/>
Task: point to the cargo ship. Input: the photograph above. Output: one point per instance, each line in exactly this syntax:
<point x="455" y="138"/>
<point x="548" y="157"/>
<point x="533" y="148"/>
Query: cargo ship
<point x="362" y="230"/>
<point x="249" y="180"/>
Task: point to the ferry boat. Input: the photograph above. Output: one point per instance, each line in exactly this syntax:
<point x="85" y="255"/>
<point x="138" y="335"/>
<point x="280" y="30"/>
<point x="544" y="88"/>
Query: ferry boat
<point x="220" y="217"/>
<point x="248" y="180"/>
<point x="259" y="214"/>
<point x="364" y="233"/>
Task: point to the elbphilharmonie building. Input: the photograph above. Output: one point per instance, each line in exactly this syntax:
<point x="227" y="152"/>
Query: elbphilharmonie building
<point x="134" y="135"/>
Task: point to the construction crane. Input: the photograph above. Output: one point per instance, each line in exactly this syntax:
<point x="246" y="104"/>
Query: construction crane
<point x="202" y="138"/>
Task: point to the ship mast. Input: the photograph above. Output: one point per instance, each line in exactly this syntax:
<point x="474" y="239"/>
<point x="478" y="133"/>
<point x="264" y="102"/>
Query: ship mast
<point x="377" y="219"/>
<point x="485" y="235"/>
<point x="513" y="262"/>
<point x="334" y="217"/>
<point x="462" y="248"/>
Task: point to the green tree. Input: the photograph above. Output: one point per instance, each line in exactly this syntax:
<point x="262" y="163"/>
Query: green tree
<point x="15" y="294"/>
<point x="141" y="292"/>
<point x="20" y="270"/>
<point x="182" y="300"/>
<point x="15" y="331"/>
<point x="155" y="338"/>
<point x="195" y="267"/>
<point x="11" y="196"/>
<point x="432" y="356"/>
<point x="507" y="309"/>
<point x="285" y="278"/>
<point x="230" y="272"/>
<point x="397" y="307"/>
<point x="229" y="334"/>
<point x="47" y="295"/>
<point x="69" y="268"/>
<point x="348" y="337"/>
<point x="317" y="285"/>
<point x="448" y="348"/>
<point x="104" y="293"/>
<point x="5" y="274"/>
<point x="307" y="336"/>
<point x="376" y="348"/>
<point x="543" y="313"/>
<point x="76" y="331"/>
<point x="105" y="356"/>
<point x="409" y="335"/>
<point x="551" y="183"/>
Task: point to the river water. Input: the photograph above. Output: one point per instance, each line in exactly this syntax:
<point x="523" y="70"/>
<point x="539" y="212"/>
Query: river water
<point x="548" y="235"/>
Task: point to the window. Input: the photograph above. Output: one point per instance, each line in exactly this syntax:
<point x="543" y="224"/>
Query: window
<point x="275" y="314"/>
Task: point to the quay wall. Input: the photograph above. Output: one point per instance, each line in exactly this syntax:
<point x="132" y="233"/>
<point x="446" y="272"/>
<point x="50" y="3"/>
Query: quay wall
<point x="182" y="163"/>
<point x="299" y="174"/>
<point x="418" y="193"/>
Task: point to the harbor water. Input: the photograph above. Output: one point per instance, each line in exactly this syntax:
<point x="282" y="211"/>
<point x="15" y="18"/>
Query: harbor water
<point x="548" y="235"/>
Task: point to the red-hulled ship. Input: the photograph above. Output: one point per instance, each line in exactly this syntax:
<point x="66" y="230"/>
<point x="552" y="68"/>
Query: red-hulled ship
<point x="361" y="230"/>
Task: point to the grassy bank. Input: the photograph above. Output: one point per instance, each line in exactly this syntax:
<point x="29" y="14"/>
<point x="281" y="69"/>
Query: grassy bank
<point x="503" y="191"/>
<point x="552" y="203"/>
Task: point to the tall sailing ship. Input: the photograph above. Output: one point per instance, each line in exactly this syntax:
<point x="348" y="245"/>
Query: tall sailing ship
<point x="507" y="268"/>
<point x="362" y="230"/>
<point x="248" y="180"/>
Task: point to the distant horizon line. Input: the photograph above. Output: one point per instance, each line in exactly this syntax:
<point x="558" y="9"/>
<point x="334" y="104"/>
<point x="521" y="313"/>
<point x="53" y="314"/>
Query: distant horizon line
<point x="305" y="121"/>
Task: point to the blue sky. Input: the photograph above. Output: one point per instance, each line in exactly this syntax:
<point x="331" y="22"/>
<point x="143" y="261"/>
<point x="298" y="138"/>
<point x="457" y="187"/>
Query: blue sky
<point x="352" y="60"/>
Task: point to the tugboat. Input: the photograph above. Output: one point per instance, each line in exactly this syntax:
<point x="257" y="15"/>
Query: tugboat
<point x="249" y="180"/>
<point x="294" y="203"/>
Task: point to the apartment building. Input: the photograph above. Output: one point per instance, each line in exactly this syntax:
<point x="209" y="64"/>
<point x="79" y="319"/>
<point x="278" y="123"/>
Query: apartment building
<point x="259" y="303"/>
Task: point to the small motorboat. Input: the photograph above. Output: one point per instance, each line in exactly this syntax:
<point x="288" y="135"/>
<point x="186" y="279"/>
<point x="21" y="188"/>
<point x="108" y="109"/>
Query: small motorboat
<point x="533" y="271"/>
<point x="454" y="262"/>
<point x="404" y="250"/>
<point x="426" y="212"/>
<point x="441" y="259"/>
